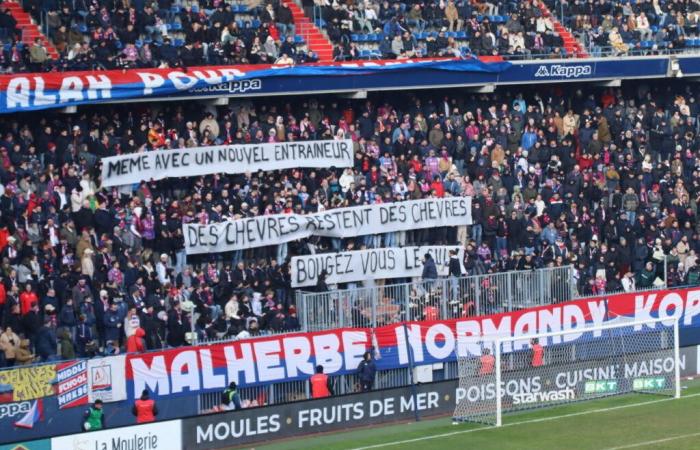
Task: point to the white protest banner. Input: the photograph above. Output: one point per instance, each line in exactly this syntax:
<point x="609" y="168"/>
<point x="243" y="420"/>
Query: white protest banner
<point x="348" y="222"/>
<point x="197" y="161"/>
<point x="379" y="263"/>
<point x="106" y="379"/>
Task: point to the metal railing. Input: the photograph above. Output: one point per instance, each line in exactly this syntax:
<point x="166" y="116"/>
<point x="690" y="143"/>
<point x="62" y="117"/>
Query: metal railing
<point x="443" y="298"/>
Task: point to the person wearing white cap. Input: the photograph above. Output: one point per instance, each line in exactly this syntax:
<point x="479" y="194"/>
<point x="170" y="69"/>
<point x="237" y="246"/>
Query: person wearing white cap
<point x="162" y="269"/>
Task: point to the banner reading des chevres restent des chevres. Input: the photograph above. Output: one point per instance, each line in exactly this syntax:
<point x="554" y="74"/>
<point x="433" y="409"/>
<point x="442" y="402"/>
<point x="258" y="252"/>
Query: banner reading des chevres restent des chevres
<point x="261" y="231"/>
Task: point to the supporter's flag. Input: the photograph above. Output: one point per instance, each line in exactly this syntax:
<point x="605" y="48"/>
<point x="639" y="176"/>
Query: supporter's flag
<point x="35" y="414"/>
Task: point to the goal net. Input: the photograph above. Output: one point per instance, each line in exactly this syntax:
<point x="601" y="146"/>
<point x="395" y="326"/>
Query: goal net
<point x="508" y="374"/>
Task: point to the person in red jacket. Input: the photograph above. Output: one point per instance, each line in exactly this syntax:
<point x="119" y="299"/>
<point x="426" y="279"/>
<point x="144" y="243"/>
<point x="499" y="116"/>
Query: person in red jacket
<point x="320" y="384"/>
<point x="487" y="363"/>
<point x="145" y="408"/>
<point x="27" y="299"/>
<point x="537" y="353"/>
<point x="135" y="343"/>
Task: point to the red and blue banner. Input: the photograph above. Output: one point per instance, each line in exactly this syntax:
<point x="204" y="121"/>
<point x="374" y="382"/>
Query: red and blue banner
<point x="72" y="380"/>
<point x="29" y="92"/>
<point x="294" y="356"/>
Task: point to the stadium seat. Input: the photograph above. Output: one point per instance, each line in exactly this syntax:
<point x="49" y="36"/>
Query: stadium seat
<point x="255" y="24"/>
<point x="298" y="39"/>
<point x="195" y="9"/>
<point x="178" y="42"/>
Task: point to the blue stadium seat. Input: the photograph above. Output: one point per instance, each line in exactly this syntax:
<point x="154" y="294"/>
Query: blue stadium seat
<point x="255" y="23"/>
<point x="178" y="42"/>
<point x="461" y="35"/>
<point x="373" y="37"/>
<point x="364" y="53"/>
<point x="320" y="23"/>
<point x="195" y="9"/>
<point x="451" y="34"/>
<point x="118" y="45"/>
<point x="298" y="39"/>
<point x="420" y="36"/>
<point x="176" y="26"/>
<point x="175" y="9"/>
<point x="83" y="28"/>
<point x="138" y="43"/>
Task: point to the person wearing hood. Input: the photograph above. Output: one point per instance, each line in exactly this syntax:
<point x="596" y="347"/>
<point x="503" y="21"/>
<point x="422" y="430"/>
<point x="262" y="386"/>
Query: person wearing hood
<point x="455" y="271"/>
<point x="66" y="341"/>
<point x="136" y="343"/>
<point x="430" y="274"/>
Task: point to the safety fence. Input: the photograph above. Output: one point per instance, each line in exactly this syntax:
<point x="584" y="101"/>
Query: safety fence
<point x="443" y="298"/>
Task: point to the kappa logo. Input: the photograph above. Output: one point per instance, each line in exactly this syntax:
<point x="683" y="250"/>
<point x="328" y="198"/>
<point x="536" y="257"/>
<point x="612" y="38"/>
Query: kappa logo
<point x="232" y="87"/>
<point x="561" y="71"/>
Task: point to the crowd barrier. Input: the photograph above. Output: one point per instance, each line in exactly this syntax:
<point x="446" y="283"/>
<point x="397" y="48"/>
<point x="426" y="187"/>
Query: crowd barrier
<point x="303" y="418"/>
<point x="443" y="298"/>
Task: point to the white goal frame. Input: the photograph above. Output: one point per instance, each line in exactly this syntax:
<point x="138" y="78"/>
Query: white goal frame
<point x="499" y="341"/>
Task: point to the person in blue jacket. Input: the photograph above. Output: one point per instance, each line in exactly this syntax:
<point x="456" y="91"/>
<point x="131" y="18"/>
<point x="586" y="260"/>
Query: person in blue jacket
<point x="367" y="370"/>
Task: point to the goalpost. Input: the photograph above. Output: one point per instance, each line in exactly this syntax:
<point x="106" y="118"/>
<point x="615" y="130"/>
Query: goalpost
<point x="509" y="374"/>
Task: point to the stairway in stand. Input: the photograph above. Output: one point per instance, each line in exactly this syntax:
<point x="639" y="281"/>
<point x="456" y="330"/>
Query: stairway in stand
<point x="30" y="30"/>
<point x="316" y="41"/>
<point x="571" y="45"/>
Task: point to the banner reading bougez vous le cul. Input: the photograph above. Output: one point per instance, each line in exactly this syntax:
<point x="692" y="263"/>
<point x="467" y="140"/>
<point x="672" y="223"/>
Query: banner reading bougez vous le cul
<point x="348" y="222"/>
<point x="378" y="263"/>
<point x="191" y="162"/>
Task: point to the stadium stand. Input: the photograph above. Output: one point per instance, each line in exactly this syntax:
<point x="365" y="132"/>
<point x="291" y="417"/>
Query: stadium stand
<point x="604" y="181"/>
<point x="623" y="28"/>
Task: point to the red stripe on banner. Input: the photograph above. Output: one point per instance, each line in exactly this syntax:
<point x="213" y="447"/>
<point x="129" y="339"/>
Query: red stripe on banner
<point x="51" y="81"/>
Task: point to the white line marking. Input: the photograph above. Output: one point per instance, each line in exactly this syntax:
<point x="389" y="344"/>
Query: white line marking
<point x="657" y="441"/>
<point x="524" y="422"/>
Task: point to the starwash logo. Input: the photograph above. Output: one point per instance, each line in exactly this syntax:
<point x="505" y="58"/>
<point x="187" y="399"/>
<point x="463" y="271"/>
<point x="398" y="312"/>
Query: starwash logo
<point x="232" y="87"/>
<point x="562" y="71"/>
<point x="543" y="397"/>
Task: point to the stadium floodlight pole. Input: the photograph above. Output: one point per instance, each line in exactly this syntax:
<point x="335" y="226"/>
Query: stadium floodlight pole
<point x="677" y="357"/>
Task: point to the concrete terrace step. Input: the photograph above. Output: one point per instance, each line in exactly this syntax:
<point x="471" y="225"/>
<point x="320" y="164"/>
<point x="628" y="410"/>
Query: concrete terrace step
<point x="315" y="39"/>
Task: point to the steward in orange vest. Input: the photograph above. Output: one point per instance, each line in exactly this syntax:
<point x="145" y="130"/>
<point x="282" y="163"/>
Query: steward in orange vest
<point x="145" y="409"/>
<point x="488" y="363"/>
<point x="320" y="384"/>
<point x="537" y="353"/>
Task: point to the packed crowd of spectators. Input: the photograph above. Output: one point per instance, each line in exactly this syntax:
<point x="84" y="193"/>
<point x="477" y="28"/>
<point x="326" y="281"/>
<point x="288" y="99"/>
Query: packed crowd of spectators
<point x="628" y="27"/>
<point x="440" y="28"/>
<point x="95" y="36"/>
<point x="605" y="180"/>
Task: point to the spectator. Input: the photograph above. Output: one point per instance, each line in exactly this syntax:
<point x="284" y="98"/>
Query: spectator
<point x="145" y="408"/>
<point x="321" y="385"/>
<point x="94" y="417"/>
<point x="367" y="370"/>
<point x="135" y="343"/>
<point x="230" y="398"/>
<point x="9" y="345"/>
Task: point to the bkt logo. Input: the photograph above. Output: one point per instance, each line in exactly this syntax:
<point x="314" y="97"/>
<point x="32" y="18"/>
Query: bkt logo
<point x="560" y="71"/>
<point x="14" y="409"/>
<point x="232" y="87"/>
